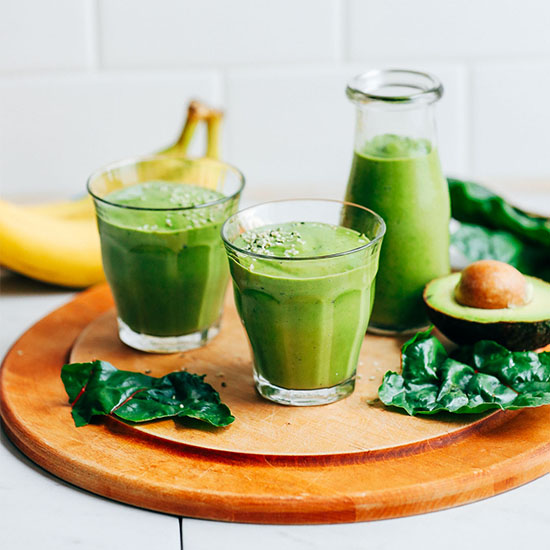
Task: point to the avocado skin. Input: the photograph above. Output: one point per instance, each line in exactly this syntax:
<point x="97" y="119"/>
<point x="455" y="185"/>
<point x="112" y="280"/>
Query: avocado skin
<point x="515" y="336"/>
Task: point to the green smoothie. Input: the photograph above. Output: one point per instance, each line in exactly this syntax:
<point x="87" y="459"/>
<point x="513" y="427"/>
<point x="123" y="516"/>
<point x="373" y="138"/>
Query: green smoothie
<point x="167" y="268"/>
<point x="400" y="179"/>
<point x="305" y="316"/>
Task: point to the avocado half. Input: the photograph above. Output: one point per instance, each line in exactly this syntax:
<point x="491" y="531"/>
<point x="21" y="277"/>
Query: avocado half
<point x="520" y="328"/>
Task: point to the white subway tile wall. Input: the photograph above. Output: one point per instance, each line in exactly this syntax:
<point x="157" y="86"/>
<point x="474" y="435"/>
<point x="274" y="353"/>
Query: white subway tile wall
<point x="56" y="130"/>
<point x="510" y="102"/>
<point x="171" y="33"/>
<point x="37" y="36"/>
<point x="446" y="29"/>
<point x="86" y="82"/>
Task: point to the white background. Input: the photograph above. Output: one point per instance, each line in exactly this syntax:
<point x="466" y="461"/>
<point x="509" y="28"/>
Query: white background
<point x="86" y="82"/>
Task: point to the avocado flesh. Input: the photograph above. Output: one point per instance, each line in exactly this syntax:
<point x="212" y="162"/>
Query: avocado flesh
<point x="520" y="328"/>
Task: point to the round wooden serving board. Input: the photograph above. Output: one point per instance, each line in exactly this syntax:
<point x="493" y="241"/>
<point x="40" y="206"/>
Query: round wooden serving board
<point x="353" y="460"/>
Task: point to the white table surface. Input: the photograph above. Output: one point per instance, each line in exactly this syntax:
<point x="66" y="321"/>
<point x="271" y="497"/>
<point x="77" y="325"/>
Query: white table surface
<point x="38" y="510"/>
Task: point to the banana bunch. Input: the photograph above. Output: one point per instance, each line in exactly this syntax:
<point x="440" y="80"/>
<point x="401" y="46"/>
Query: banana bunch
<point x="58" y="242"/>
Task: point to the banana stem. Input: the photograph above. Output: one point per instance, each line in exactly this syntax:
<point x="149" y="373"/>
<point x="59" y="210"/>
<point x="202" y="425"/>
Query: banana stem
<point x="199" y="112"/>
<point x="214" y="125"/>
<point x="193" y="118"/>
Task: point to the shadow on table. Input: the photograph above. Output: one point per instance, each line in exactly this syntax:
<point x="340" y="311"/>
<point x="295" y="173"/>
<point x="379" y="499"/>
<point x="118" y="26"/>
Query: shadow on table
<point x="13" y="284"/>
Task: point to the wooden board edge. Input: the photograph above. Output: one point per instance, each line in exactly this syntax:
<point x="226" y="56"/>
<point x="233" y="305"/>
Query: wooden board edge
<point x="438" y="495"/>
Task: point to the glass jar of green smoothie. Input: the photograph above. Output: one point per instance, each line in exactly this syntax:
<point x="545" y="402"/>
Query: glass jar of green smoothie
<point x="396" y="172"/>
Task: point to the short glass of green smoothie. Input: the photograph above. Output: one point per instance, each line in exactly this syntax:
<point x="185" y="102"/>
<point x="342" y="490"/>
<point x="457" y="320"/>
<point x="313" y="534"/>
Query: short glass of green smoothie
<point x="159" y="221"/>
<point x="304" y="288"/>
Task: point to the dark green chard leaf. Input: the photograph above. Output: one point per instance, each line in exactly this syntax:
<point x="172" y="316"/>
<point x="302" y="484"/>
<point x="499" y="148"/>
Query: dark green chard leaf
<point x="472" y="203"/>
<point x="475" y="379"/>
<point x="490" y="228"/>
<point x="479" y="243"/>
<point x="98" y="388"/>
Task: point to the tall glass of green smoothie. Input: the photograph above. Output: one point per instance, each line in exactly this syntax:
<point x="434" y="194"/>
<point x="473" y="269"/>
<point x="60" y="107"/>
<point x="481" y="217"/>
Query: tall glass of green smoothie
<point x="159" y="223"/>
<point x="303" y="288"/>
<point x="396" y="172"/>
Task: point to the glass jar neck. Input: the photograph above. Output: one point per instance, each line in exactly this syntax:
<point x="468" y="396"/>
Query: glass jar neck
<point x="415" y="122"/>
<point x="396" y="106"/>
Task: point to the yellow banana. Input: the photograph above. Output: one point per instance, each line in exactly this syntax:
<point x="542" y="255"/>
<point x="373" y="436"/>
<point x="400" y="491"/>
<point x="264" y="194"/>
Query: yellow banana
<point x="58" y="242"/>
<point x="58" y="251"/>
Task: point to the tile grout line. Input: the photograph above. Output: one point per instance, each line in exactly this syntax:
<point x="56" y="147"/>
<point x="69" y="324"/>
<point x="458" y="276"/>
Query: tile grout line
<point x="344" y="32"/>
<point x="339" y="26"/>
<point x="93" y="26"/>
<point x="94" y="63"/>
<point x="469" y="107"/>
<point x="223" y="97"/>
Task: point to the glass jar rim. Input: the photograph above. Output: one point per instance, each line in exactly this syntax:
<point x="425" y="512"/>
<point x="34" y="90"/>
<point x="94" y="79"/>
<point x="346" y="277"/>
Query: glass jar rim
<point x="181" y="160"/>
<point x="379" y="234"/>
<point x="365" y="87"/>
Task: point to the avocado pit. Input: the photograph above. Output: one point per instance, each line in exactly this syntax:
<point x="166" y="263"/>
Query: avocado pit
<point x="490" y="284"/>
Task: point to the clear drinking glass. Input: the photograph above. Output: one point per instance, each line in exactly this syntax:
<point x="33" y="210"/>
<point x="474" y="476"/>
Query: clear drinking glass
<point x="305" y="316"/>
<point x="396" y="172"/>
<point x="166" y="266"/>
